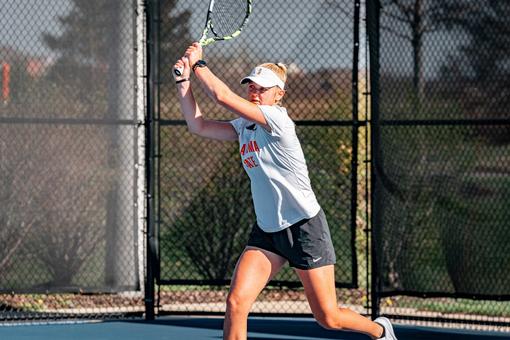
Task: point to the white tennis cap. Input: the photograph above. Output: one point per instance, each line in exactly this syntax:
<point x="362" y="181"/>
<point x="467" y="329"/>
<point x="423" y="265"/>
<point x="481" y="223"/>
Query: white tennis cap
<point x="264" y="77"/>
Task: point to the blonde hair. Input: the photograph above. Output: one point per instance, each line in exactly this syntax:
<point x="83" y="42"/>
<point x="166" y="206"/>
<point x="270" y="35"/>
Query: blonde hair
<point x="278" y="68"/>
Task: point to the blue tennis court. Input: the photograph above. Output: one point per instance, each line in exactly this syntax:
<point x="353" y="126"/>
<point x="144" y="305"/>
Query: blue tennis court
<point x="207" y="328"/>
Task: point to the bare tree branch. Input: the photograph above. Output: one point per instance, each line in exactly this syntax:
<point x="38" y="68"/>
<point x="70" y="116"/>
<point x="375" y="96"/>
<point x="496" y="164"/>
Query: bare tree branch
<point x="407" y="10"/>
<point x="396" y="33"/>
<point x="395" y="16"/>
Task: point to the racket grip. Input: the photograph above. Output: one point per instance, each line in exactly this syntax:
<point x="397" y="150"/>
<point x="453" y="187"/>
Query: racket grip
<point x="178" y="71"/>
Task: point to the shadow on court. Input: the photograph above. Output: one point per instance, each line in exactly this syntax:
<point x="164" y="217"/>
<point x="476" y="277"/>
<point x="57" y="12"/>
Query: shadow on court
<point x="269" y="328"/>
<point x="282" y="328"/>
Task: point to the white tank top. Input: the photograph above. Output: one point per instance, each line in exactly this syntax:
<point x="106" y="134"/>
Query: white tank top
<point x="274" y="161"/>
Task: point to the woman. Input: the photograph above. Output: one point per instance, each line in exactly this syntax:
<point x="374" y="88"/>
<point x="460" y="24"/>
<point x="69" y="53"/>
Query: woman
<point x="291" y="226"/>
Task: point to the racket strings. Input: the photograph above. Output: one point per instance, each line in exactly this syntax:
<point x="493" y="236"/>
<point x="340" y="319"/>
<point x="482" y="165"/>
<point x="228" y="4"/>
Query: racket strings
<point x="228" y="16"/>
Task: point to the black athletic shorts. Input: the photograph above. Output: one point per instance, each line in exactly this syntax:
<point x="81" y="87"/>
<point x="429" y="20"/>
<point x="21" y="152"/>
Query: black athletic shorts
<point x="306" y="244"/>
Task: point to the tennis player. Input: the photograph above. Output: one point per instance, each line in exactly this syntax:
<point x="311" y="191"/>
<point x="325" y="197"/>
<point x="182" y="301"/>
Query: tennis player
<point x="291" y="226"/>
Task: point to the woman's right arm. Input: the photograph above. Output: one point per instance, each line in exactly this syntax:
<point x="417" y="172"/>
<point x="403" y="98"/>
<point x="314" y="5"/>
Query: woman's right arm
<point x="191" y="112"/>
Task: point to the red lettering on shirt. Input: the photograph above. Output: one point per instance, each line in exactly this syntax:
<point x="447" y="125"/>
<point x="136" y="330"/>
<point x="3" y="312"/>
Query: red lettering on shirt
<point x="249" y="147"/>
<point x="250" y="162"/>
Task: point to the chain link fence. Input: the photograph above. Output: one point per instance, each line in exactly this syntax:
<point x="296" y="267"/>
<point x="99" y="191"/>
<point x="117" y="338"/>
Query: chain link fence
<point x="72" y="157"/>
<point x="70" y="232"/>
<point x="442" y="155"/>
<point x="205" y="203"/>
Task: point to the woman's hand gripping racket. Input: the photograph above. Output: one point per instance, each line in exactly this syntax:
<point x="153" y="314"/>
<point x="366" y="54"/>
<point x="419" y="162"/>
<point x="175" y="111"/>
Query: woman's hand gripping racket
<point x="225" y="20"/>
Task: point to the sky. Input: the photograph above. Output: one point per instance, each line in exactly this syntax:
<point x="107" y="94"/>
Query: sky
<point x="24" y="22"/>
<point x="396" y="51"/>
<point x="308" y="34"/>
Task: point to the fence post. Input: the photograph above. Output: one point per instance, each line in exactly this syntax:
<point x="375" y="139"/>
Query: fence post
<point x="152" y="19"/>
<point x="355" y="138"/>
<point x="373" y="7"/>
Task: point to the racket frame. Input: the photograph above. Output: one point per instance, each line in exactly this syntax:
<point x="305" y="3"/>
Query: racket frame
<point x="204" y="40"/>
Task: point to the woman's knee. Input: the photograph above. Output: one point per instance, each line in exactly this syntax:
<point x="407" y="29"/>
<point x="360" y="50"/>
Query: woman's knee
<point x="330" y="319"/>
<point x="238" y="304"/>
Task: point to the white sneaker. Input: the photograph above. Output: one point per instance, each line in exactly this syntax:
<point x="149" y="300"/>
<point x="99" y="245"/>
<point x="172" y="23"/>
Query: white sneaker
<point x="388" y="328"/>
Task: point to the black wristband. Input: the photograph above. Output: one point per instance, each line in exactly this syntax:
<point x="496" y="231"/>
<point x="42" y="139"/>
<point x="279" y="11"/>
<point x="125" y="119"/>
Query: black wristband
<point x="199" y="63"/>
<point x="181" y="80"/>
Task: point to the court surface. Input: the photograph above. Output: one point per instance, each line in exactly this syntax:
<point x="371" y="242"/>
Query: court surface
<point x="209" y="328"/>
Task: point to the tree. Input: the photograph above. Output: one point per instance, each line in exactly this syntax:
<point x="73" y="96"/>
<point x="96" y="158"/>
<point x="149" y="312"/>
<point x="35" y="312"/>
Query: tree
<point x="422" y="17"/>
<point x="95" y="68"/>
<point x="174" y="37"/>
<point x="17" y="218"/>
<point x="73" y="214"/>
<point x="89" y="43"/>
<point x="84" y="47"/>
<point x="52" y="209"/>
<point x="481" y="68"/>
<point x="213" y="229"/>
<point x="478" y="78"/>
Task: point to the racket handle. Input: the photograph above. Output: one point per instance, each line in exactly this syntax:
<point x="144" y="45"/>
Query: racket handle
<point x="178" y="71"/>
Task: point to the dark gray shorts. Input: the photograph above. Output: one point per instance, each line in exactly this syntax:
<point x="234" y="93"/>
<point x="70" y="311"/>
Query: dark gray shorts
<point x="306" y="244"/>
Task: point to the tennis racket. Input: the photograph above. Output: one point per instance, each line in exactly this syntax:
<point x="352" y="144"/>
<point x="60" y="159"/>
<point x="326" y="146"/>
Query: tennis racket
<point x="225" y="21"/>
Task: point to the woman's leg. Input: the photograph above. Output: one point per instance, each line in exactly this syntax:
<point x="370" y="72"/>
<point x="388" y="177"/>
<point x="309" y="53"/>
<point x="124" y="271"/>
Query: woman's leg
<point x="253" y="270"/>
<point x="319" y="284"/>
